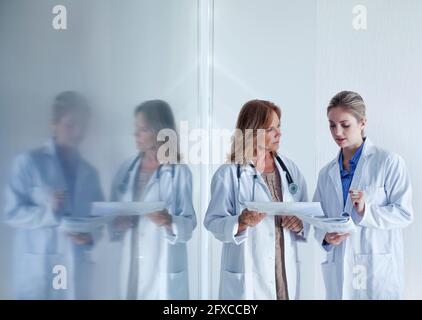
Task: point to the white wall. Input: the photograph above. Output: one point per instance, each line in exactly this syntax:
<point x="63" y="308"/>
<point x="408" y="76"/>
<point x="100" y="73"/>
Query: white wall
<point x="299" y="54"/>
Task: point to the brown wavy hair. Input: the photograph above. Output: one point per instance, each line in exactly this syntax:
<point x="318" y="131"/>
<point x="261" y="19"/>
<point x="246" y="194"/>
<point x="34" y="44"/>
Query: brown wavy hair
<point x="254" y="115"/>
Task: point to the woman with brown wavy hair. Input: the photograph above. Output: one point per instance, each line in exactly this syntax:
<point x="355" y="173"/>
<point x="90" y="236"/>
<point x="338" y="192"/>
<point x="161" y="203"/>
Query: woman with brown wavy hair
<point x="259" y="257"/>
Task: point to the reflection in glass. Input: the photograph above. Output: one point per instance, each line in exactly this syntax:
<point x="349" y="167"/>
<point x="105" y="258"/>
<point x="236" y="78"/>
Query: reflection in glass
<point x="46" y="185"/>
<point x="153" y="260"/>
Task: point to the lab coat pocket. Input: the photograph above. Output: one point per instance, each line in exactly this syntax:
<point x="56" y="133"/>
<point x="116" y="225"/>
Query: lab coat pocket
<point x="329" y="274"/>
<point x="374" y="277"/>
<point x="177" y="285"/>
<point x="233" y="286"/>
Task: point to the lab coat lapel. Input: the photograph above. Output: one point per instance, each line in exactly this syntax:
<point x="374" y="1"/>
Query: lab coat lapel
<point x="335" y="178"/>
<point x="58" y="181"/>
<point x="154" y="179"/>
<point x="355" y="183"/>
<point x="128" y="196"/>
<point x="260" y="180"/>
<point x="287" y="196"/>
<point x="57" y="171"/>
<point x="244" y="188"/>
<point x="165" y="186"/>
<point x="82" y="183"/>
<point x="357" y="176"/>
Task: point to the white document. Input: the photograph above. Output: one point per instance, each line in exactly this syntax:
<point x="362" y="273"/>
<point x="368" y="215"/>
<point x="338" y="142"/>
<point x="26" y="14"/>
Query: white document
<point x="310" y="212"/>
<point x="107" y="209"/>
<point x="82" y="224"/>
<point x="299" y="209"/>
<point x="343" y="224"/>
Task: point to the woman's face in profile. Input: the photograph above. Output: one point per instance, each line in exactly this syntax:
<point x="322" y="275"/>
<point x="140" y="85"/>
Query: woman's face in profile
<point x="145" y="137"/>
<point x="273" y="134"/>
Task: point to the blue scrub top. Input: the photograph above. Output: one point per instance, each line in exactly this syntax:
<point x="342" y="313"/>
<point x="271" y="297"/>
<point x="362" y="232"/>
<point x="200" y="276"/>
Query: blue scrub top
<point x="347" y="176"/>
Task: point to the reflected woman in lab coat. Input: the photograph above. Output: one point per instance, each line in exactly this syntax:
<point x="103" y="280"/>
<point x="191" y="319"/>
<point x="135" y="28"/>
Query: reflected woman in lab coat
<point x="154" y="262"/>
<point x="259" y="258"/>
<point x="46" y="185"/>
<point x="373" y="186"/>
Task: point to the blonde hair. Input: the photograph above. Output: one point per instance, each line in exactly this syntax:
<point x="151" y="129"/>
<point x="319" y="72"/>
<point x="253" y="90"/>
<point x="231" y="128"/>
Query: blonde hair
<point x="255" y="115"/>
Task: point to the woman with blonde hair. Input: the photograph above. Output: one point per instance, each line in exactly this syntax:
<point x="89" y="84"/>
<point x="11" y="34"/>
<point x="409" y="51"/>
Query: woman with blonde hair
<point x="373" y="187"/>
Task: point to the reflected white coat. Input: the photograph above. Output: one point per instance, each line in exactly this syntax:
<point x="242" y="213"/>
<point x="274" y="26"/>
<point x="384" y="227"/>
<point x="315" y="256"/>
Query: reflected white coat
<point x="40" y="245"/>
<point x="163" y="262"/>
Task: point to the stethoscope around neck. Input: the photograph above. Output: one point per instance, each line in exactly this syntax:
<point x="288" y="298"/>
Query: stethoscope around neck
<point x="293" y="188"/>
<point x="123" y="185"/>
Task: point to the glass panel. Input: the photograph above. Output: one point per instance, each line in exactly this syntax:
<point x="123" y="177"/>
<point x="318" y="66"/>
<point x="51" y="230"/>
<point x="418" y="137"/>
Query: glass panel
<point x="108" y="57"/>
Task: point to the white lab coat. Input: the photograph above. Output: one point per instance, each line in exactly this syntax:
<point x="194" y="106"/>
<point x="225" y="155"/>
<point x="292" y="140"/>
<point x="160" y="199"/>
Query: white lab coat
<point x="368" y="264"/>
<point x="40" y="244"/>
<point x="163" y="263"/>
<point x="248" y="259"/>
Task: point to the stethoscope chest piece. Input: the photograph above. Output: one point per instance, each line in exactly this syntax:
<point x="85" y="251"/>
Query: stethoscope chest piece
<point x="293" y="188"/>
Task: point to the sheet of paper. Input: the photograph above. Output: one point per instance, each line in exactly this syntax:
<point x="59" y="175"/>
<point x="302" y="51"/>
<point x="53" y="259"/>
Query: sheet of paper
<point x="310" y="212"/>
<point x="343" y="224"/>
<point x="299" y="209"/>
<point x="83" y="224"/>
<point x="125" y="208"/>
